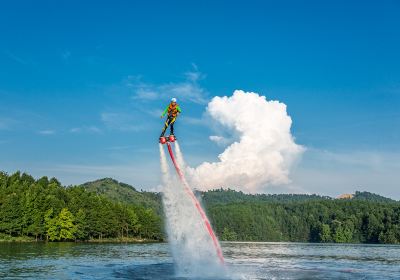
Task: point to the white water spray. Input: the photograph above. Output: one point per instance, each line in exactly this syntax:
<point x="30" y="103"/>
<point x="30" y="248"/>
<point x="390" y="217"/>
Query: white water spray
<point x="191" y="246"/>
<point x="179" y="156"/>
<point x="164" y="166"/>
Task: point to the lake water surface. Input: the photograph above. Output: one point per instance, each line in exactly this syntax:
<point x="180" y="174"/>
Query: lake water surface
<point x="243" y="261"/>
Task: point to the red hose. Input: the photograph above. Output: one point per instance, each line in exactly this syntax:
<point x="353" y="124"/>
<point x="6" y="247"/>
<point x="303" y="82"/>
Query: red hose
<point x="198" y="206"/>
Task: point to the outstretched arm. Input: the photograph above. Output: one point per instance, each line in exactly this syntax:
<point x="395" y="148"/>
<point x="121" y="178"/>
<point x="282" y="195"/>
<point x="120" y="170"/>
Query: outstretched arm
<point x="165" y="111"/>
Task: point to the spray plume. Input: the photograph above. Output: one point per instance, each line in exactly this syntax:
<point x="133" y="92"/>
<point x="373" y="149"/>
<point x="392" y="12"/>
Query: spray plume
<point x="191" y="246"/>
<point x="179" y="156"/>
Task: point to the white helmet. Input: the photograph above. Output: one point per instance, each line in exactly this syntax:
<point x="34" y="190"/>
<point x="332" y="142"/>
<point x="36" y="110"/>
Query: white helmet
<point x="173" y="99"/>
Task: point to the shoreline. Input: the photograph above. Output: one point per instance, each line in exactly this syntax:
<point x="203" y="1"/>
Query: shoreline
<point x="148" y="241"/>
<point x="25" y="239"/>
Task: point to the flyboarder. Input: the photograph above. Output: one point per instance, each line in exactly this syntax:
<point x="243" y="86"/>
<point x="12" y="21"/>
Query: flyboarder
<point x="172" y="110"/>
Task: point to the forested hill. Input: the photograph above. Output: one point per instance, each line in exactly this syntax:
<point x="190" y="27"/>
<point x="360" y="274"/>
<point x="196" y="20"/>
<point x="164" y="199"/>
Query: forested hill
<point x="371" y="197"/>
<point x="121" y="192"/>
<point x="361" y="218"/>
<point x="43" y="209"/>
<point x="221" y="196"/>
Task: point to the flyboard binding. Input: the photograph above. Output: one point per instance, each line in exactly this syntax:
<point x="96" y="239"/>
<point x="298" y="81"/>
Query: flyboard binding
<point x="164" y="139"/>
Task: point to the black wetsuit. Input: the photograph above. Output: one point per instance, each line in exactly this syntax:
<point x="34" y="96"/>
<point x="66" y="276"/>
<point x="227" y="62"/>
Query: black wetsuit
<point x="169" y="122"/>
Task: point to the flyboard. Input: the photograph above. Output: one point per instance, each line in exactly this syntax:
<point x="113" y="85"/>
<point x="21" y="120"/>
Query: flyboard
<point x="168" y="140"/>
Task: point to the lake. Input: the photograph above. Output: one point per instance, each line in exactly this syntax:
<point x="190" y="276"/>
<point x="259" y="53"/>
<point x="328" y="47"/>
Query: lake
<point x="245" y="260"/>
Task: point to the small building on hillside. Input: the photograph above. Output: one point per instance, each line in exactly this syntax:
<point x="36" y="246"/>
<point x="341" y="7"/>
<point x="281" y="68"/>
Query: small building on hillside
<point x="346" y="196"/>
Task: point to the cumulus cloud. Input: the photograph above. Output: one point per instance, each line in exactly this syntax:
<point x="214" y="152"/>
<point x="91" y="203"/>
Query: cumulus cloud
<point x="219" y="139"/>
<point x="264" y="152"/>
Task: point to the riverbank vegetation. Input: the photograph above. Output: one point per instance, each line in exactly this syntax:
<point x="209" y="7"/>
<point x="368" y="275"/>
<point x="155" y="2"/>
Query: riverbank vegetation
<point x="366" y="218"/>
<point x="108" y="211"/>
<point x="339" y="221"/>
<point x="45" y="210"/>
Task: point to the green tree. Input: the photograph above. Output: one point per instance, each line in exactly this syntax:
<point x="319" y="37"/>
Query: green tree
<point x="325" y="233"/>
<point x="228" y="234"/>
<point x="339" y="235"/>
<point x="66" y="225"/>
<point x="81" y="232"/>
<point x="391" y="235"/>
<point x="51" y="225"/>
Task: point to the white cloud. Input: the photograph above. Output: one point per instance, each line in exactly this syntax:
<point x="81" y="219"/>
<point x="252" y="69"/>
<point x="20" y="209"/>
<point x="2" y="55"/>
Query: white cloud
<point x="193" y="76"/>
<point x="15" y="58"/>
<point x="145" y="94"/>
<point x="220" y="140"/>
<point x="47" y="132"/>
<point x="90" y="129"/>
<point x="120" y="148"/>
<point x="132" y="106"/>
<point x="75" y="130"/>
<point x="194" y="121"/>
<point x="156" y="113"/>
<point x="188" y="90"/>
<point x="265" y="151"/>
<point x="94" y="129"/>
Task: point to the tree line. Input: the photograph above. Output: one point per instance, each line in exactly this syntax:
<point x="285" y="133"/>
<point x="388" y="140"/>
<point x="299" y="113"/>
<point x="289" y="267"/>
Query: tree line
<point x="334" y="220"/>
<point x="45" y="210"/>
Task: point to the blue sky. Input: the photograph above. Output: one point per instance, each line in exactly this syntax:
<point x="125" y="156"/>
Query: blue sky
<point x="82" y="84"/>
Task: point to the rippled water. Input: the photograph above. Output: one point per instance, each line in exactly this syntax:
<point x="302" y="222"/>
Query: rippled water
<point x="153" y="261"/>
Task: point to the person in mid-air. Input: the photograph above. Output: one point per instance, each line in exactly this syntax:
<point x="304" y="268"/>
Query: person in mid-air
<point x="172" y="110"/>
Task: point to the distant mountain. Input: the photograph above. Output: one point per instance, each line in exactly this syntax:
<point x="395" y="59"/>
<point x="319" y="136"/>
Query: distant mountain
<point x="371" y="197"/>
<point x="121" y="192"/>
<point x="221" y="196"/>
